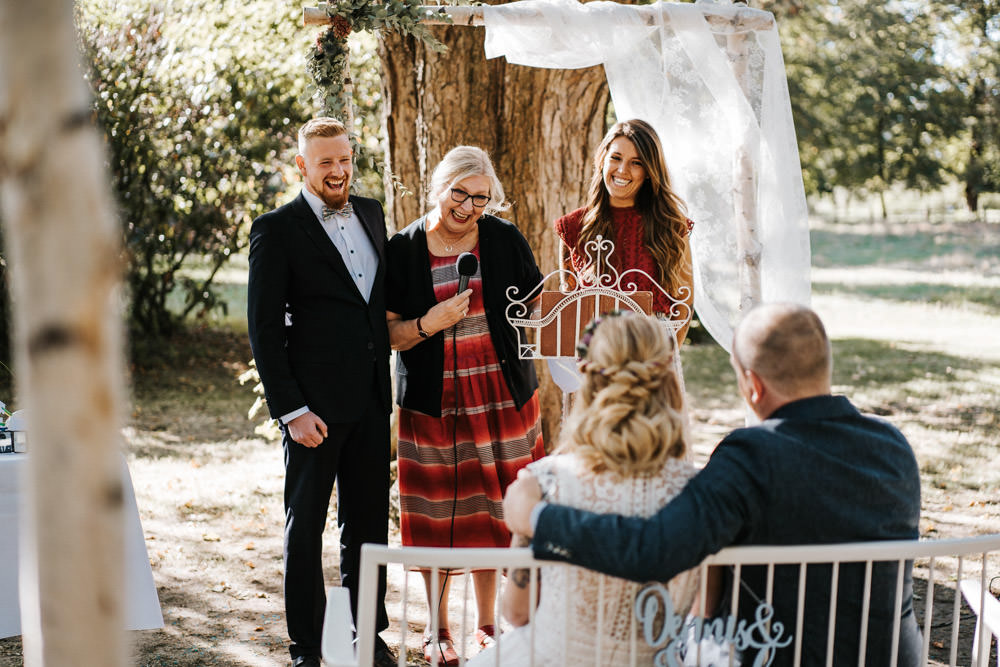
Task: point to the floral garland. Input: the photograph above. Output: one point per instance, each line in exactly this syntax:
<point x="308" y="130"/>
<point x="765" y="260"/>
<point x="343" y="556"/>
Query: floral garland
<point x="328" y="59"/>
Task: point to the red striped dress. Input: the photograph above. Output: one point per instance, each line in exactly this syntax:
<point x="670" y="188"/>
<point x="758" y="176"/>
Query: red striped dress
<point x="492" y="438"/>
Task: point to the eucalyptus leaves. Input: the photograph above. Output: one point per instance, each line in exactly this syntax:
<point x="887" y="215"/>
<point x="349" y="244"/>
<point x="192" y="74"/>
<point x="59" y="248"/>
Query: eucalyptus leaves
<point x="327" y="62"/>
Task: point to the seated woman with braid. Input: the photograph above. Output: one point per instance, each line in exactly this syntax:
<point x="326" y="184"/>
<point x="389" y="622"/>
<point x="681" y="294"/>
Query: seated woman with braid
<point x="622" y="450"/>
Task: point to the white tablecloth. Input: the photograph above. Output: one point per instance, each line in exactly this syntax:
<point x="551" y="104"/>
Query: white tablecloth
<point x="142" y="607"/>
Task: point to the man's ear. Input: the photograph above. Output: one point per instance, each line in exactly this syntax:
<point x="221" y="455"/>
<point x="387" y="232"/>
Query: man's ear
<point x="300" y="162"/>
<point x="758" y="390"/>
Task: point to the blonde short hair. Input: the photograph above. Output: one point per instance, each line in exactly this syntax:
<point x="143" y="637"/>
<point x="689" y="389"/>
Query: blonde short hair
<point x="322" y="126"/>
<point x="627" y="415"/>
<point x="460" y="163"/>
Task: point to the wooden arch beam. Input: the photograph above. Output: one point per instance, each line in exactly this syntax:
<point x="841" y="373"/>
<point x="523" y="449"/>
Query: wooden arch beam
<point x="744" y="20"/>
<point x="736" y="27"/>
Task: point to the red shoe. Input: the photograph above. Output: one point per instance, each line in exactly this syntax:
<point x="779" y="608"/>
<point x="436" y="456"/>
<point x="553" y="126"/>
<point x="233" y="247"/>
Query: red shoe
<point x="441" y="652"/>
<point x="486" y="636"/>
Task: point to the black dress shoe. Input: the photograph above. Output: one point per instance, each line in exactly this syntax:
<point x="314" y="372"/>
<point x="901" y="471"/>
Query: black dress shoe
<point x="306" y="661"/>
<point x="383" y="656"/>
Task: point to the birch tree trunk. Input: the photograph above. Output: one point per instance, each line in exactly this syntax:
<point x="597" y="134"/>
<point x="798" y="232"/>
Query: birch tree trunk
<point x="540" y="127"/>
<point x="62" y="248"/>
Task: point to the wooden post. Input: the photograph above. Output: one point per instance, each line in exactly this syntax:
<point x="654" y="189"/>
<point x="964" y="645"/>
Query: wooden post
<point x="745" y="197"/>
<point x="62" y="245"/>
<point x="471" y="15"/>
<point x="347" y="97"/>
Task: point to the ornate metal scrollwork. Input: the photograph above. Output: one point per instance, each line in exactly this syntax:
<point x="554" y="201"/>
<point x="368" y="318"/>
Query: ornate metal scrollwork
<point x="598" y="278"/>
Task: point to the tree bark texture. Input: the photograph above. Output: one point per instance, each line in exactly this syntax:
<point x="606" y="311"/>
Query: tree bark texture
<point x="62" y="245"/>
<point x="540" y="127"/>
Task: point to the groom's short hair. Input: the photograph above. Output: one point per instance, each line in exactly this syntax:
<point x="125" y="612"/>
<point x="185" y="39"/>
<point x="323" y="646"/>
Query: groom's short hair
<point x="321" y="126"/>
<point x="785" y="344"/>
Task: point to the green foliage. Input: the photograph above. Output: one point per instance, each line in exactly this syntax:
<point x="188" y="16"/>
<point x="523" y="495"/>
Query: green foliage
<point x="871" y="99"/>
<point x="199" y="110"/>
<point x="327" y="61"/>
<point x="972" y="31"/>
<point x="330" y="58"/>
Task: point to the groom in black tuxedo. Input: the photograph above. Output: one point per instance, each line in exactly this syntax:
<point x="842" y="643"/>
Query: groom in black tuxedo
<point x="316" y="317"/>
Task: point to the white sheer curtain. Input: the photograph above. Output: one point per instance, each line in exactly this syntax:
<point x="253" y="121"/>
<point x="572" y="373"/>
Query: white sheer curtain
<point x="669" y="65"/>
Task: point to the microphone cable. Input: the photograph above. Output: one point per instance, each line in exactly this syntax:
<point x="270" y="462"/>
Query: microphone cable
<point x="454" y="450"/>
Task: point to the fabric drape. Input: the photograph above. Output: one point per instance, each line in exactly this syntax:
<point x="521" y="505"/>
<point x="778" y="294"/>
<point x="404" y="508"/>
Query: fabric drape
<point x="667" y="64"/>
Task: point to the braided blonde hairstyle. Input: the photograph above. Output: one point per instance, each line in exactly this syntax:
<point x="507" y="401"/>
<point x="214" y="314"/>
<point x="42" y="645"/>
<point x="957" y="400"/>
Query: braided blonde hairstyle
<point x="627" y="415"/>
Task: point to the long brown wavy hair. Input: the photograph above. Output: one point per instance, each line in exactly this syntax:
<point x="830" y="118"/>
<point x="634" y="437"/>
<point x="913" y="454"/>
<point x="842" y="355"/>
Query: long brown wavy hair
<point x="664" y="216"/>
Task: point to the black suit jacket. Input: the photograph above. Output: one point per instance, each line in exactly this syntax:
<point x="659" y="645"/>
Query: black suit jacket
<point x="336" y="351"/>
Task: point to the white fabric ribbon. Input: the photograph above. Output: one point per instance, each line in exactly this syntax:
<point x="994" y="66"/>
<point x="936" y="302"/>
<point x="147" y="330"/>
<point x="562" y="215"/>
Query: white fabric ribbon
<point x="668" y="65"/>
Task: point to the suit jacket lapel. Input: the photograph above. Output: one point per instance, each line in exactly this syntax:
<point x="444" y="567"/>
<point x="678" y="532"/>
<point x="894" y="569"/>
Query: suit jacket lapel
<point x="314" y="230"/>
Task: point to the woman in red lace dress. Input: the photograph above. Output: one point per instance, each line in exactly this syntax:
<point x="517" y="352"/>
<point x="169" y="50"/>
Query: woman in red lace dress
<point x="632" y="203"/>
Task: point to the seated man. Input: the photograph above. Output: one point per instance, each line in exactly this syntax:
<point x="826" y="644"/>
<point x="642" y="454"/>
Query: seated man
<point x="815" y="471"/>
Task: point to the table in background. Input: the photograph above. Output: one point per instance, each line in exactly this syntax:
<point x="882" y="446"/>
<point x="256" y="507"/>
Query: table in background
<point x="142" y="607"/>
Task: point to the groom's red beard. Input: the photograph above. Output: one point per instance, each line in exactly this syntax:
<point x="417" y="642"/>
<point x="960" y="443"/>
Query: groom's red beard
<point x="336" y="199"/>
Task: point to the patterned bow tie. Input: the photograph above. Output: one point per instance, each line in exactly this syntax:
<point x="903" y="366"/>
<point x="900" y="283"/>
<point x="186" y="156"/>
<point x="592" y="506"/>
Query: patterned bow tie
<point x="346" y="212"/>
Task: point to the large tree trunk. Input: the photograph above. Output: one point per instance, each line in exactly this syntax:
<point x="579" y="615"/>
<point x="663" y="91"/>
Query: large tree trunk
<point x="540" y="126"/>
<point x="63" y="248"/>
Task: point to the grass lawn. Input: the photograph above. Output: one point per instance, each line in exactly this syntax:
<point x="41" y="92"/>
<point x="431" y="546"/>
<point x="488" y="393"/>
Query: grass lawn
<point x="914" y="314"/>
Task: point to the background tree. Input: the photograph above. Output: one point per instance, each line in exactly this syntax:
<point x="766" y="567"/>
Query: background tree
<point x="540" y="126"/>
<point x="199" y="102"/>
<point x="872" y="102"/>
<point x="970" y="34"/>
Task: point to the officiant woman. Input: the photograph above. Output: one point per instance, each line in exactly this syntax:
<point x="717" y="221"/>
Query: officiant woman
<point x="469" y="411"/>
<point x="632" y="203"/>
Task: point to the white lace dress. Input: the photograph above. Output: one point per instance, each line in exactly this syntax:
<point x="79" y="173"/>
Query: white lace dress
<point x="566" y="627"/>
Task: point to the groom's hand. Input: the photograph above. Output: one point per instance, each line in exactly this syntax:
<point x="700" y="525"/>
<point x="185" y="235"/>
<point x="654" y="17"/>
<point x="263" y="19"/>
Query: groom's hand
<point x="521" y="498"/>
<point x="307" y="429"/>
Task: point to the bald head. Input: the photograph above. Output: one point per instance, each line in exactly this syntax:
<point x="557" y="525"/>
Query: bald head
<point x="785" y="344"/>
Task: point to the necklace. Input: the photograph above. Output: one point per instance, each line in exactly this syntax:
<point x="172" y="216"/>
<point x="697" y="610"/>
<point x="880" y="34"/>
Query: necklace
<point x="456" y="243"/>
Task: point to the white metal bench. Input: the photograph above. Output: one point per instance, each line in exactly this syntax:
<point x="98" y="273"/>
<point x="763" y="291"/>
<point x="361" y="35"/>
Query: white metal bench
<point x="938" y="565"/>
<point x="987" y="610"/>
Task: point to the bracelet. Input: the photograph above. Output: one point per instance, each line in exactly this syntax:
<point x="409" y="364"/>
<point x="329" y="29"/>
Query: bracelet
<point x="420" y="329"/>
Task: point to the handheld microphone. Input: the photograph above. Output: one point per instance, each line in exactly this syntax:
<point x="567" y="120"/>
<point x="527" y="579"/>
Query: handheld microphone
<point x="466" y="265"/>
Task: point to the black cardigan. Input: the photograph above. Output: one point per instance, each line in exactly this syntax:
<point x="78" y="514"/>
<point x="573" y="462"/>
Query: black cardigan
<point x="505" y="260"/>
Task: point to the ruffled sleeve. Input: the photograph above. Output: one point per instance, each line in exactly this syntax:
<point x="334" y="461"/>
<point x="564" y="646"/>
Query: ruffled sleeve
<point x="568" y="226"/>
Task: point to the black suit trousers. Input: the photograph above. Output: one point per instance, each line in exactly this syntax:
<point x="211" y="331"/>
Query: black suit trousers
<point x="356" y="456"/>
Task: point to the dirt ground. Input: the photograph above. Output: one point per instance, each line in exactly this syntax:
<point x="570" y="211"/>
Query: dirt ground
<point x="209" y="488"/>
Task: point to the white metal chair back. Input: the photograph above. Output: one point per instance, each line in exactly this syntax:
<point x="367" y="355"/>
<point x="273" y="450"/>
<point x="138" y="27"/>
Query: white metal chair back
<point x="600" y="280"/>
<point x="938" y="565"/>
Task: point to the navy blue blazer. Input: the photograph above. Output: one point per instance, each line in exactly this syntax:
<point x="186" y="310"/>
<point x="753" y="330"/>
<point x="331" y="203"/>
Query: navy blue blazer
<point x="335" y="354"/>
<point x="816" y="472"/>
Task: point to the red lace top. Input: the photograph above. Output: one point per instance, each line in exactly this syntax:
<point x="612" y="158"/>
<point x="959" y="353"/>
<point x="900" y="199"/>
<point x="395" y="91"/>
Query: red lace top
<point x="630" y="250"/>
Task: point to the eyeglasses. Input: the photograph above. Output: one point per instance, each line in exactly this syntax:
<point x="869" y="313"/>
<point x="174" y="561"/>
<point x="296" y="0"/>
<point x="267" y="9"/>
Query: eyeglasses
<point x="459" y="197"/>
